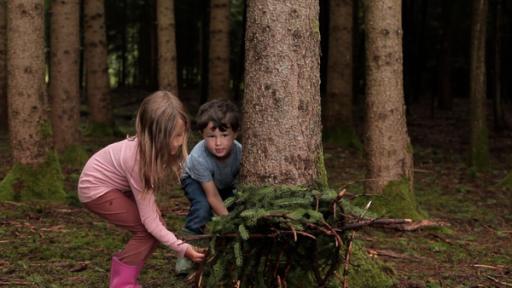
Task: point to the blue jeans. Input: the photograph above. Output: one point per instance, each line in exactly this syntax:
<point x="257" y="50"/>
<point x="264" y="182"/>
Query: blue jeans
<point x="200" y="211"/>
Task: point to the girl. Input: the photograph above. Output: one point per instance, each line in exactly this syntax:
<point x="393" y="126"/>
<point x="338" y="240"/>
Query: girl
<point x="119" y="184"/>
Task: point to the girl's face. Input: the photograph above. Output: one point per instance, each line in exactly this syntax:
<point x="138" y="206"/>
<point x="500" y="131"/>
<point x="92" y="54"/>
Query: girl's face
<point x="178" y="136"/>
<point x="218" y="142"/>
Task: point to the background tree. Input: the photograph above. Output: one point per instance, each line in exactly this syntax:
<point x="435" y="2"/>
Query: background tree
<point x="389" y="152"/>
<point x="219" y="76"/>
<point x="3" y="74"/>
<point x="36" y="172"/>
<point x="445" y="65"/>
<point x="499" y="115"/>
<point x="167" y="69"/>
<point x="337" y="108"/>
<point x="64" y="78"/>
<point x="97" y="80"/>
<point x="479" y="144"/>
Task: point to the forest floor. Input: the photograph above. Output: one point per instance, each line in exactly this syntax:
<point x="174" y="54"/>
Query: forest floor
<point x="50" y="245"/>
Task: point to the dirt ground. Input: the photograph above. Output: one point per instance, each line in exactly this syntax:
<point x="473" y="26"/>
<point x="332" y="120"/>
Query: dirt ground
<point x="46" y="245"/>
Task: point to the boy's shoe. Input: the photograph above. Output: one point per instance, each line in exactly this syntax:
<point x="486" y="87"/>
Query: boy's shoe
<point x="183" y="266"/>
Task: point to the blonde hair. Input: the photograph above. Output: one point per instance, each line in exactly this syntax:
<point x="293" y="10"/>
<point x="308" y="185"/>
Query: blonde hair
<point x="155" y="125"/>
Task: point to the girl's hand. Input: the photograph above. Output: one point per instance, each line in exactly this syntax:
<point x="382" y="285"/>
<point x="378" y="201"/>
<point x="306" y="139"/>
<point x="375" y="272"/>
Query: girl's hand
<point x="194" y="255"/>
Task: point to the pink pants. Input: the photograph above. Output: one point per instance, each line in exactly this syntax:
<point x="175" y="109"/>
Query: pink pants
<point x="121" y="210"/>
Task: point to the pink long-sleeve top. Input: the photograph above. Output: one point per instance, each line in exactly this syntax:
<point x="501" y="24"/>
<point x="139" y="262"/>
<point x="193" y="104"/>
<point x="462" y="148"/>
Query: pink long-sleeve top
<point x="116" y="167"/>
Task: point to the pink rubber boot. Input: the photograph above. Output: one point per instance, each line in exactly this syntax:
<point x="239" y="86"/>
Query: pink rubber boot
<point x="123" y="275"/>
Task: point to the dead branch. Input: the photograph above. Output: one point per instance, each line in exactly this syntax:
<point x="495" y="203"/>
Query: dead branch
<point x="397" y="224"/>
<point x="388" y="253"/>
<point x="418" y="225"/>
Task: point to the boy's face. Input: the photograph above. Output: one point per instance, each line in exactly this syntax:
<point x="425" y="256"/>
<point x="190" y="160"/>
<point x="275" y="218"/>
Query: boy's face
<point x="218" y="142"/>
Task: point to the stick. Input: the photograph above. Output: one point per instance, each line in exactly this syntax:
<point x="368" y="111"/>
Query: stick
<point x="374" y="222"/>
<point x="500" y="282"/>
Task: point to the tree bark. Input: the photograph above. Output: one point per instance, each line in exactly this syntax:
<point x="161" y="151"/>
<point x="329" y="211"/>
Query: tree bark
<point x="97" y="79"/>
<point x="281" y="106"/>
<point x="167" y="68"/>
<point x="26" y="89"/>
<point x="337" y="108"/>
<point x="219" y="78"/>
<point x="479" y="142"/>
<point x="64" y="73"/>
<point x="387" y="142"/>
<point x="3" y="74"/>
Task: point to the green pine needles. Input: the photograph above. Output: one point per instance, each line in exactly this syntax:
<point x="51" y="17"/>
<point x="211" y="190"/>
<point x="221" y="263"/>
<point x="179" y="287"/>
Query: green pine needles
<point x="275" y="237"/>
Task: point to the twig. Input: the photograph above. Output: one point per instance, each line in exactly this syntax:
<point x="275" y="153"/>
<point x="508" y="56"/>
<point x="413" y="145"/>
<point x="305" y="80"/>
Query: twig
<point x="488" y="266"/>
<point x="499" y="281"/>
<point x="14" y="282"/>
<point x="294" y="233"/>
<point x="388" y="254"/>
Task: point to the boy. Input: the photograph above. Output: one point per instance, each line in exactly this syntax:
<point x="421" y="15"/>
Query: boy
<point x="211" y="168"/>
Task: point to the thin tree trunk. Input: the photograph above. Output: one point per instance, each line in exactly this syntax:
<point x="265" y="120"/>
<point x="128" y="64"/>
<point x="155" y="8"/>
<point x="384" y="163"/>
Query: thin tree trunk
<point x="124" y="45"/>
<point x="205" y="40"/>
<point x="337" y="108"/>
<point x="479" y="133"/>
<point x="64" y="73"/>
<point x="26" y="89"/>
<point x="219" y="78"/>
<point x="3" y="74"/>
<point x="499" y="115"/>
<point x="387" y="144"/>
<point x="281" y="106"/>
<point x="167" y="67"/>
<point x="97" y="79"/>
<point x="445" y="71"/>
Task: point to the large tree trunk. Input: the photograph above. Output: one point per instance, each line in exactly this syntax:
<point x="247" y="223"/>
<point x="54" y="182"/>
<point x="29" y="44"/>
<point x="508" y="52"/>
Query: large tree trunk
<point x="219" y="78"/>
<point x="64" y="76"/>
<point x="387" y="143"/>
<point x="97" y="79"/>
<point x="479" y="144"/>
<point x="3" y="74"/>
<point x="167" y="68"/>
<point x="36" y="171"/>
<point x="26" y="87"/>
<point x="337" y="106"/>
<point x="282" y="140"/>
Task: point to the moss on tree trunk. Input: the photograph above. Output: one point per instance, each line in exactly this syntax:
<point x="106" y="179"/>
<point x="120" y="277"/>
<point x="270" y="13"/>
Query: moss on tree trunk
<point x="396" y="201"/>
<point x="40" y="182"/>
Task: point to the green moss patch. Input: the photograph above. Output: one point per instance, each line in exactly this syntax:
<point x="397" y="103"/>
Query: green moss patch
<point x="396" y="201"/>
<point x="42" y="182"/>
<point x="366" y="272"/>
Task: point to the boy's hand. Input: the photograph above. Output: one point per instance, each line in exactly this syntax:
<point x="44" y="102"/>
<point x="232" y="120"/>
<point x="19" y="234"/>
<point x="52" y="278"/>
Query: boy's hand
<point x="194" y="255"/>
